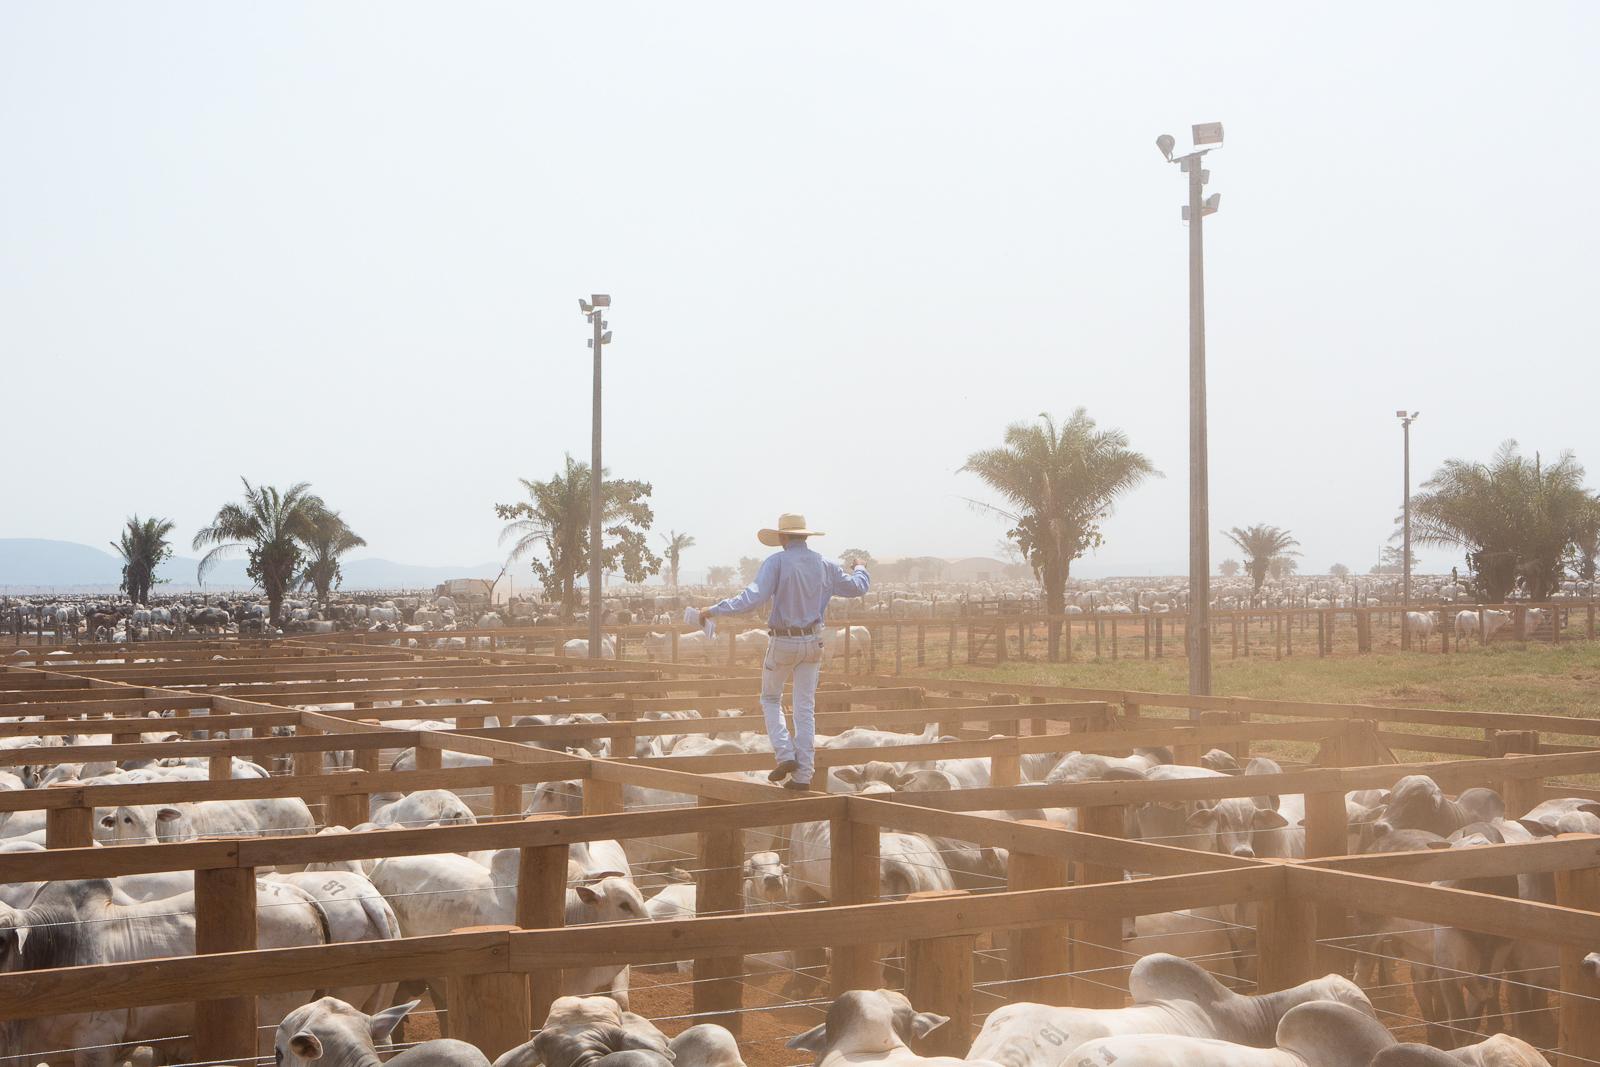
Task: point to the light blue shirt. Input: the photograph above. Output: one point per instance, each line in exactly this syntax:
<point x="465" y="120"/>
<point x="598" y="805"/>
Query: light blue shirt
<point x="799" y="582"/>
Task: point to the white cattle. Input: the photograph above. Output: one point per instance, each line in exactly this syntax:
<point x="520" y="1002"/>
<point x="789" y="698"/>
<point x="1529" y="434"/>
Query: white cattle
<point x="833" y="642"/>
<point x="1170" y="996"/>
<point x="149" y="824"/>
<point x="331" y="1031"/>
<point x="1501" y="1050"/>
<point x="1421" y="624"/>
<point x="436" y="894"/>
<point x="706" y="1045"/>
<point x="88" y="926"/>
<point x="583" y="1031"/>
<point x="1467" y="624"/>
<point x="1319" y="1034"/>
<point x="356" y="911"/>
<point x="578" y="647"/>
<point x="869" y="1026"/>
<point x="422" y="808"/>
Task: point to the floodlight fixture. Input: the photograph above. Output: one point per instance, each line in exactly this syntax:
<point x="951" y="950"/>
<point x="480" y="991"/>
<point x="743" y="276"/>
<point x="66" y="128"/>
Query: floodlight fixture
<point x="584" y="305"/>
<point x="601" y="300"/>
<point x="1166" y="143"/>
<point x="1400" y="414"/>
<point x="1213" y="202"/>
<point x="1207" y="133"/>
<point x="605" y="338"/>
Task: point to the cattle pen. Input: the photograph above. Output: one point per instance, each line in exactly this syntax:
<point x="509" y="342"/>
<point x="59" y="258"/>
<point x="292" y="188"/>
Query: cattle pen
<point x="334" y="717"/>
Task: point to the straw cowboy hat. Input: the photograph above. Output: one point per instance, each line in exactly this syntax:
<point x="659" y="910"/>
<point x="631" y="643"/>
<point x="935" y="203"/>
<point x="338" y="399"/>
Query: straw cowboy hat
<point x="787" y="524"/>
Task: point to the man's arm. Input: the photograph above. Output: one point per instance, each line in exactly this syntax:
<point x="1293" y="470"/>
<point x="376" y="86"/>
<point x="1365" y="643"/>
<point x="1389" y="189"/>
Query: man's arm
<point x="756" y="594"/>
<point x="855" y="583"/>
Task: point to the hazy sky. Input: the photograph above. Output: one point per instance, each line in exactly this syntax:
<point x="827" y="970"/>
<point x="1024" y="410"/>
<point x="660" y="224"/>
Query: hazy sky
<point x="847" y="244"/>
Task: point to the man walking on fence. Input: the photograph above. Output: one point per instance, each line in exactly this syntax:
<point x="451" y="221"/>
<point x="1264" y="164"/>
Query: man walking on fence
<point x="799" y="583"/>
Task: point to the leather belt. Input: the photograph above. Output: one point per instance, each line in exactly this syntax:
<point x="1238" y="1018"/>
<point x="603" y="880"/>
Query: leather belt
<point x="792" y="631"/>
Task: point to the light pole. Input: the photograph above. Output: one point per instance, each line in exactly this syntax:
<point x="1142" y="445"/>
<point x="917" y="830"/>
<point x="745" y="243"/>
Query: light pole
<point x="1198" y="630"/>
<point x="1405" y="561"/>
<point x="593" y="309"/>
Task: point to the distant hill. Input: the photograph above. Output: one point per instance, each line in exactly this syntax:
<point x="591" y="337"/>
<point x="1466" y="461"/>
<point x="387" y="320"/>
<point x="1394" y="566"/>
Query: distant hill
<point x="34" y="564"/>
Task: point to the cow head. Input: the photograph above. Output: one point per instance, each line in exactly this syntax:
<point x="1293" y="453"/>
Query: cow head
<point x="333" y="1030"/>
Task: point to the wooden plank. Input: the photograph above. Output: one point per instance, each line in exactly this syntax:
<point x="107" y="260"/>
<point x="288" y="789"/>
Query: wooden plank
<point x="720" y="891"/>
<point x="1578" y="1022"/>
<point x="225" y="921"/>
<point x="939" y="979"/>
<point x="489" y="1011"/>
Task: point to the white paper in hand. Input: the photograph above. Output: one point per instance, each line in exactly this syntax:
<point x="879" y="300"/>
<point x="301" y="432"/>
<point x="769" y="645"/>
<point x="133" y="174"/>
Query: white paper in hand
<point x="694" y="617"/>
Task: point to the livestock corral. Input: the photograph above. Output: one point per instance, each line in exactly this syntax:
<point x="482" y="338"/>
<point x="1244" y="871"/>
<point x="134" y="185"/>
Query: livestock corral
<point x="225" y="850"/>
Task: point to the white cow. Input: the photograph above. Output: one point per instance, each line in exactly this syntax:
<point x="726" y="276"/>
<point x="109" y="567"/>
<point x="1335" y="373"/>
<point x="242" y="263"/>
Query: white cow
<point x="1501" y="1050"/>
<point x="149" y="824"/>
<point x="870" y="1026"/>
<point x="1319" y="1034"/>
<point x="422" y="808"/>
<point x="356" y="911"/>
<point x="1171" y="995"/>
<point x="1467" y="624"/>
<point x="1421" y="624"/>
<point x="88" y="926"/>
<point x="331" y="1031"/>
<point x="439" y="893"/>
<point x="578" y="648"/>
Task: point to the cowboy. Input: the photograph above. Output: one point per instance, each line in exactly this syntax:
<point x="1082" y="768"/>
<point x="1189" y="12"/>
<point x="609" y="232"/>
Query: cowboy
<point x="799" y="583"/>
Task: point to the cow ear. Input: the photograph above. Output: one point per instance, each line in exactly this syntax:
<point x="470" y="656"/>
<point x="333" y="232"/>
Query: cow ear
<point x="924" y="1023"/>
<point x="903" y="779"/>
<point x="383" y="1023"/>
<point x="587" y="894"/>
<point x="1534" y="827"/>
<point x="1203" y="818"/>
<point x="814" y="1040"/>
<point x="1387" y="798"/>
<point x="168" y="814"/>
<point x="749" y="868"/>
<point x="1264" y="819"/>
<point x="306" y="1045"/>
<point x="848" y="775"/>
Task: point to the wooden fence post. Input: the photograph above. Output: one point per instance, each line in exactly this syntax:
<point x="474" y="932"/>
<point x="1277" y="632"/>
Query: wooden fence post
<point x="1041" y="954"/>
<point x="855" y="877"/>
<point x="1579" y="1022"/>
<point x="225" y="921"/>
<point x="1327" y="835"/>
<point x="922" y="644"/>
<point x="489" y="1011"/>
<point x="429" y="759"/>
<point x="1521" y="794"/>
<point x="69" y="827"/>
<point x="1286" y="942"/>
<point x="720" y="890"/>
<point x="1097" y="943"/>
<point x="542" y="904"/>
<point x="507" y="798"/>
<point x="939" y="979"/>
<point x="601" y="797"/>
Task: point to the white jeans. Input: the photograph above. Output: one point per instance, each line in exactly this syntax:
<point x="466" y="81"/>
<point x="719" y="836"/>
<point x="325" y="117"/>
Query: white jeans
<point x="800" y="658"/>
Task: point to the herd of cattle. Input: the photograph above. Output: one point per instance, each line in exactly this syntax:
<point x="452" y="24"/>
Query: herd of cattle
<point x="139" y="916"/>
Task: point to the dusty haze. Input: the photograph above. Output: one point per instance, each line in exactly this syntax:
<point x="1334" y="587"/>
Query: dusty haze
<point x="846" y="246"/>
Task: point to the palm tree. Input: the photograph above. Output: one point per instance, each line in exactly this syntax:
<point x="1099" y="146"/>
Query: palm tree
<point x="1229" y="568"/>
<point x="1059" y="484"/>
<point x="1516" y="518"/>
<point x="676" y="543"/>
<point x="719" y="576"/>
<point x="1262" y="545"/>
<point x="143" y="546"/>
<point x="328" y="539"/>
<point x="272" y="527"/>
<point x="555" y="517"/>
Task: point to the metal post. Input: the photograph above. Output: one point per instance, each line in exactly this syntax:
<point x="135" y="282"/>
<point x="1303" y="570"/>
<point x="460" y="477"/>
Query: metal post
<point x="595" y="480"/>
<point x="1199" y="628"/>
<point x="1405" y="562"/>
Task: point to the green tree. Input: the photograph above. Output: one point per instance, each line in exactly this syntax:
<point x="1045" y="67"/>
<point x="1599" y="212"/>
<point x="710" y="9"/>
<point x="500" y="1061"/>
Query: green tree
<point x="748" y="566"/>
<point x="1281" y="567"/>
<point x="555" y="518"/>
<point x="1229" y="568"/>
<point x="273" y="527"/>
<point x="1339" y="570"/>
<point x="1393" y="561"/>
<point x="1261" y="545"/>
<point x="1516" y="518"/>
<point x="328" y="539"/>
<point x="852" y="556"/>
<point x="143" y="547"/>
<point x="676" y="543"/>
<point x="1586" y="541"/>
<point x="720" y="576"/>
<point x="1059" y="484"/>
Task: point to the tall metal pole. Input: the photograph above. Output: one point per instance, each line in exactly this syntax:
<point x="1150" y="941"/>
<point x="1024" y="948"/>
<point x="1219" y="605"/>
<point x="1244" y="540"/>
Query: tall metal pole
<point x="1405" y="595"/>
<point x="1199" y="627"/>
<point x="595" y="479"/>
